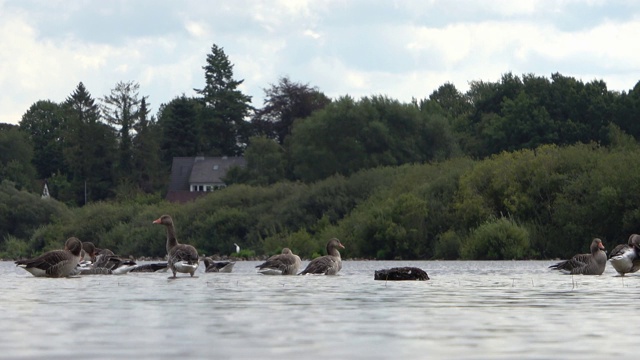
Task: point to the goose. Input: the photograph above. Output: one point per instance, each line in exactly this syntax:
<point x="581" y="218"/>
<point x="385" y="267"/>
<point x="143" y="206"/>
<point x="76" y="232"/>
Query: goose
<point x="107" y="265"/>
<point x="56" y="263"/>
<point x="625" y="258"/>
<point x="182" y="258"/>
<point x="585" y="264"/>
<point x="217" y="266"/>
<point x="104" y="252"/>
<point x="329" y="264"/>
<point x="286" y="263"/>
<point x="89" y="250"/>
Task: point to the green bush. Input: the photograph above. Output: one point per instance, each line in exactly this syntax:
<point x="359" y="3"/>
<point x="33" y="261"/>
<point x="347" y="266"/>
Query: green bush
<point x="14" y="248"/>
<point x="448" y="246"/>
<point x="497" y="239"/>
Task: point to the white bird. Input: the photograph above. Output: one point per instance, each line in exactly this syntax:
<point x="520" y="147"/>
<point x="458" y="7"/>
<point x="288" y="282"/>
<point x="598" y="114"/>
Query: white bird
<point x="625" y="258"/>
<point x="237" y="248"/>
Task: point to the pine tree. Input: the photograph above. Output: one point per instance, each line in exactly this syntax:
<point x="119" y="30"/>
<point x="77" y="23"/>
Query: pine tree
<point x="146" y="152"/>
<point x="120" y="110"/>
<point x="90" y="147"/>
<point x="224" y="128"/>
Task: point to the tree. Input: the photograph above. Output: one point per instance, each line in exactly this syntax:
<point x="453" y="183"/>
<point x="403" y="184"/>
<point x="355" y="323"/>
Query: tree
<point x="90" y="148"/>
<point x="16" y="153"/>
<point x="148" y="173"/>
<point x="284" y="103"/>
<point x="452" y="101"/>
<point x="45" y="124"/>
<point x="347" y="136"/>
<point x="627" y="111"/>
<point x="179" y="126"/>
<point x="265" y="163"/>
<point x="120" y="110"/>
<point x="224" y="130"/>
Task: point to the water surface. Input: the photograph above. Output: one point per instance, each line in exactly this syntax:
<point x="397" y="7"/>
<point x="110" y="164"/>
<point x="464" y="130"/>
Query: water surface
<point x="468" y="310"/>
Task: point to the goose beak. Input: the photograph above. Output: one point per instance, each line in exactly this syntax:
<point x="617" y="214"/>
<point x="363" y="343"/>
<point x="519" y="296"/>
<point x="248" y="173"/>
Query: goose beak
<point x="157" y="221"/>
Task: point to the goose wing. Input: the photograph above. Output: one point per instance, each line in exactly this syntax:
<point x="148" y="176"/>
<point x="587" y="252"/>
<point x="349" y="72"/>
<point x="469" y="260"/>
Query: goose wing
<point x="183" y="252"/>
<point x="45" y="261"/>
<point x="279" y="261"/>
<point x="618" y="250"/>
<point x="319" y="265"/>
<point x="576" y="262"/>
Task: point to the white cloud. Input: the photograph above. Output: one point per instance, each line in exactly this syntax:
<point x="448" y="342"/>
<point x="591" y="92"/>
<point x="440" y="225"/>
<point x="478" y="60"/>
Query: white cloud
<point x="401" y="49"/>
<point x="196" y="29"/>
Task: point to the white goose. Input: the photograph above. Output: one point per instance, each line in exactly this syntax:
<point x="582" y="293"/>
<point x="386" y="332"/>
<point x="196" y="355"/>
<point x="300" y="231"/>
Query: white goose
<point x="625" y="258"/>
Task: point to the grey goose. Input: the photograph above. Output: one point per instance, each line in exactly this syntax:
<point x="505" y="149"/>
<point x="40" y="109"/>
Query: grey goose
<point x="182" y="258"/>
<point x="329" y="264"/>
<point x="593" y="263"/>
<point x="285" y="263"/>
<point x="56" y="263"/>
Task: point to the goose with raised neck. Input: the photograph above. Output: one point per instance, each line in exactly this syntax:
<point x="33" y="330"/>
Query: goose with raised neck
<point x="181" y="258"/>
<point x="593" y="263"/>
<point x="329" y="264"/>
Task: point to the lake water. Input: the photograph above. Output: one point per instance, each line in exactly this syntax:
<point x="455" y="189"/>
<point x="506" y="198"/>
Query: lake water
<point x="468" y="310"/>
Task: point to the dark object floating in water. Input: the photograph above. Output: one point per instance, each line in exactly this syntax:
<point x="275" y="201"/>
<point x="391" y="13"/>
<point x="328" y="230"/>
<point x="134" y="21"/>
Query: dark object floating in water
<point x="151" y="267"/>
<point x="401" y="273"/>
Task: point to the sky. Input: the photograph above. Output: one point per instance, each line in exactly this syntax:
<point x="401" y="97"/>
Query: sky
<point x="402" y="49"/>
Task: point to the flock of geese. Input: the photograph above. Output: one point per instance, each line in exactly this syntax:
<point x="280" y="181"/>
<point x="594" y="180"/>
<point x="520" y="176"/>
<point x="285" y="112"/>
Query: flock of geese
<point x="78" y="258"/>
<point x="83" y="258"/>
<point x="625" y="259"/>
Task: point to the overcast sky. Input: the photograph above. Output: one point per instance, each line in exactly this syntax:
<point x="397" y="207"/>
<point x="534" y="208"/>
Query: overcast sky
<point x="403" y="49"/>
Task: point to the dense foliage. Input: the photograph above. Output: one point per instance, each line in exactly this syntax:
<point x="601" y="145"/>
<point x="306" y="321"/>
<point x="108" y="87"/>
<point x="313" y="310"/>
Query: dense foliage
<point x="525" y="167"/>
<point x="542" y="203"/>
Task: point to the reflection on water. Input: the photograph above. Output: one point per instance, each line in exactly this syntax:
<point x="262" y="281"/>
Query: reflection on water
<point x="472" y="310"/>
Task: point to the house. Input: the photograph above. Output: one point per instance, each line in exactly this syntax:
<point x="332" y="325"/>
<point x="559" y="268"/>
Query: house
<point x="192" y="177"/>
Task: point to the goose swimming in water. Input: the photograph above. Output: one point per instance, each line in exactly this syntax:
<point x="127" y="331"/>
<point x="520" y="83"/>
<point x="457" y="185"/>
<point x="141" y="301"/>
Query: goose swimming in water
<point x="217" y="266"/>
<point x="585" y="264"/>
<point x="56" y="263"/>
<point x="106" y="265"/>
<point x="329" y="264"/>
<point x="182" y="258"/>
<point x="286" y="263"/>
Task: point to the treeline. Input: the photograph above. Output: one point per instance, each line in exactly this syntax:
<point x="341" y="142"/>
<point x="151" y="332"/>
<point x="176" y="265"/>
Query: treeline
<point x="111" y="156"/>
<point x="529" y="204"/>
<point x="102" y="149"/>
